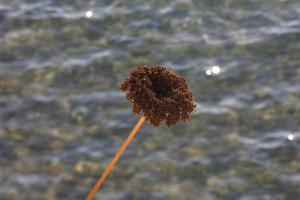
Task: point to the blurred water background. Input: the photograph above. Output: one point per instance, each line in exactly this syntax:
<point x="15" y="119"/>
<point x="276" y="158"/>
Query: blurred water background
<point x="62" y="116"/>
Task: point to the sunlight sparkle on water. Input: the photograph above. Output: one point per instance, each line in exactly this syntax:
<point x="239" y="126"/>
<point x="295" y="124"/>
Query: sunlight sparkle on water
<point x="213" y="70"/>
<point x="208" y="72"/>
<point x="89" y="14"/>
<point x="290" y="137"/>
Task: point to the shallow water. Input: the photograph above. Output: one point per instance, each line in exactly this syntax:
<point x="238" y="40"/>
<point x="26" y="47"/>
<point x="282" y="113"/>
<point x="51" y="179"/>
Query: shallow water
<point x="62" y="117"/>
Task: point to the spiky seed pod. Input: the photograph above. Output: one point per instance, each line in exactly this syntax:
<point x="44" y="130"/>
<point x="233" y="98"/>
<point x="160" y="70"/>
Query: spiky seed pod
<point x="158" y="93"/>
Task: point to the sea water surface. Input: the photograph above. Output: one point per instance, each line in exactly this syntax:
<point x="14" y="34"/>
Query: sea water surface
<point x="62" y="116"/>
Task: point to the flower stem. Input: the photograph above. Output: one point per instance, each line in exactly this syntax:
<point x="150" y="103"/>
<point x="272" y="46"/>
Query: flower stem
<point x="115" y="159"/>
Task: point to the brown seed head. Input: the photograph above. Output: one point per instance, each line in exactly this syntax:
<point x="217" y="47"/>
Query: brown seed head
<point x="160" y="94"/>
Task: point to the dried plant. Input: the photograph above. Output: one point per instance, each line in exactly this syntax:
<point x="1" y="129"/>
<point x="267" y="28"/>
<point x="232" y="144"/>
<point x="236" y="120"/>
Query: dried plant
<point x="159" y="94"/>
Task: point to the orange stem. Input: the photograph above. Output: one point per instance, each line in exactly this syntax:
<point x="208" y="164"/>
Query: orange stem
<point x="115" y="159"/>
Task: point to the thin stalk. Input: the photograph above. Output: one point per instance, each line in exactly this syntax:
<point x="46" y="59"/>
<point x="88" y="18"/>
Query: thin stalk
<point x="115" y="159"/>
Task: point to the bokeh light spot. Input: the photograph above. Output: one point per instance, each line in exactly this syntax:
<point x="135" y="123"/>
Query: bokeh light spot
<point x="291" y="137"/>
<point x="89" y="14"/>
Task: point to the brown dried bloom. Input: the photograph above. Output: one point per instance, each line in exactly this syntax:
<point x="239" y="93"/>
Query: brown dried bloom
<point x="158" y="93"/>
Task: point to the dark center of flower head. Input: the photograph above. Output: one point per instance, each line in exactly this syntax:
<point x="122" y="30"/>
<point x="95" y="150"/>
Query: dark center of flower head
<point x="161" y="88"/>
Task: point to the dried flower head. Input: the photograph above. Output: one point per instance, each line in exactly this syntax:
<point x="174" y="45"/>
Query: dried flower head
<point x="158" y="93"/>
